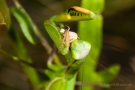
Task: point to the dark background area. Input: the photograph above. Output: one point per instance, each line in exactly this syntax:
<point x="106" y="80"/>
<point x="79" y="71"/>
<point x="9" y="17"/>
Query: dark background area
<point x="118" y="40"/>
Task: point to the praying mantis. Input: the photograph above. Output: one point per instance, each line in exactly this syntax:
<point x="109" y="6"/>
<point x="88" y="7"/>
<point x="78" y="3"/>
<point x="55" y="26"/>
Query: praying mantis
<point x="72" y="14"/>
<point x="68" y="43"/>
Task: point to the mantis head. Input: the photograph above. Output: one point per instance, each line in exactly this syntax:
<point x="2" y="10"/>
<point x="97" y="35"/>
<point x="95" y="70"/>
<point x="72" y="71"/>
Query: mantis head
<point x="74" y="13"/>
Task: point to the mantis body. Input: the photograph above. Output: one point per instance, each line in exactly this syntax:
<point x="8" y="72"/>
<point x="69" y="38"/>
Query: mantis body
<point x="72" y="14"/>
<point x="67" y="42"/>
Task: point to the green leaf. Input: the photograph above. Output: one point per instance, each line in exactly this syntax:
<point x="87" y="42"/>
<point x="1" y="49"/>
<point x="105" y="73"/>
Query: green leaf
<point x="26" y="24"/>
<point x="111" y="73"/>
<point x="23" y="55"/>
<point x="56" y="36"/>
<point x="18" y="45"/>
<point x="54" y="33"/>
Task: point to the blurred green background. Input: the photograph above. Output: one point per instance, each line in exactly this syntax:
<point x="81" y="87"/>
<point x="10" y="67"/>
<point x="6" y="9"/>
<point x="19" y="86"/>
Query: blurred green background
<point x="118" y="41"/>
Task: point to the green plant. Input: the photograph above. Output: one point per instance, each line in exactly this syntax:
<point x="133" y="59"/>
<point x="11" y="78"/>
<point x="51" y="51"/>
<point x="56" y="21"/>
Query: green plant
<point x="61" y="77"/>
